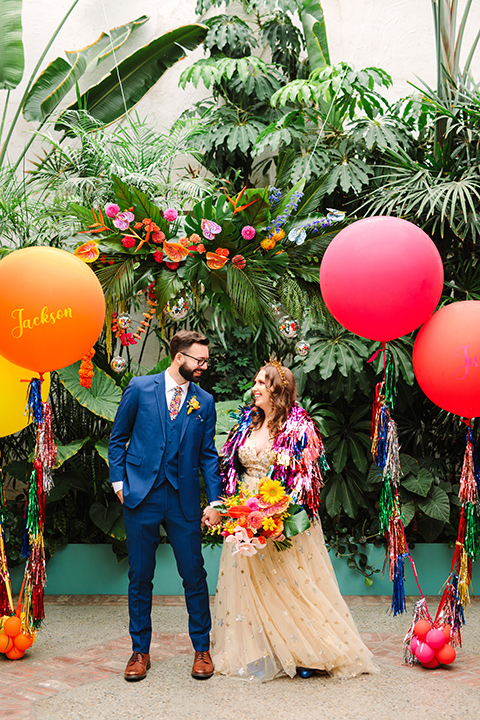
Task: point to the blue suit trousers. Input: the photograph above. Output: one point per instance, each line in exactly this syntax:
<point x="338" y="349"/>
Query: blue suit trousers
<point x="162" y="506"/>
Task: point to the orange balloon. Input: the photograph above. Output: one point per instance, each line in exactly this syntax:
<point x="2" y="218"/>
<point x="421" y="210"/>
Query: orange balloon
<point x="23" y="641"/>
<point x="447" y="631"/>
<point x="12" y="626"/>
<point x="446" y="358"/>
<point x="52" y="308"/>
<point x="6" y="642"/>
<point x="446" y="655"/>
<point x="15" y="654"/>
<point x="421" y="629"/>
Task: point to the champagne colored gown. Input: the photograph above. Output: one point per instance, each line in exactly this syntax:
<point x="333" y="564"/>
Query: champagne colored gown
<point x="277" y="610"/>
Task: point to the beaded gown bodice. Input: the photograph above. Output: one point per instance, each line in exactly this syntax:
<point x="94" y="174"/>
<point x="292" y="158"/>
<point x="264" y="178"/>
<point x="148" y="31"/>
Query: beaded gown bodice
<point x="256" y="465"/>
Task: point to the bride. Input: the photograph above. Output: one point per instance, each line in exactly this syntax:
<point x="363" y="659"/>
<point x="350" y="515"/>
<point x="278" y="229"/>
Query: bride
<point x="281" y="612"/>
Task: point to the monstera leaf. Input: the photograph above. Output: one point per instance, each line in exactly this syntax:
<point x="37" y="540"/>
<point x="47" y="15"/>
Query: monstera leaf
<point x="102" y="398"/>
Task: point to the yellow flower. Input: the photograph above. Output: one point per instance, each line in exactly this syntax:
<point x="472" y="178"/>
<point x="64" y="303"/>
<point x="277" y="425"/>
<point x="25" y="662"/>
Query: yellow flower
<point x="193" y="404"/>
<point x="272" y="491"/>
<point x="268" y="243"/>
<point x="268" y="523"/>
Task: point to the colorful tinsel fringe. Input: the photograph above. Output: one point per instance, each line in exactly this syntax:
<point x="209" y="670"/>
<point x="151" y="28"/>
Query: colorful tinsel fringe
<point x="33" y="548"/>
<point x="386" y="454"/>
<point x="6" y="599"/>
<point x="456" y="593"/>
<point x="300" y="457"/>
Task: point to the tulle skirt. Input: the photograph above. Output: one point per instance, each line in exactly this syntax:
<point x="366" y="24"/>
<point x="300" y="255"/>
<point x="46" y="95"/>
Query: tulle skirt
<point x="276" y="611"/>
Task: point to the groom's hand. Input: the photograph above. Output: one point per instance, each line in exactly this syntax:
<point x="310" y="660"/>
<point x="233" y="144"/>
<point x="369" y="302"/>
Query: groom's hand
<point x="211" y="516"/>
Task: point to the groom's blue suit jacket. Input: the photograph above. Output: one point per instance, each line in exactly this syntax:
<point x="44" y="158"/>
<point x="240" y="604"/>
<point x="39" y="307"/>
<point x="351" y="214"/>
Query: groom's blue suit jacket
<point x="141" y="418"/>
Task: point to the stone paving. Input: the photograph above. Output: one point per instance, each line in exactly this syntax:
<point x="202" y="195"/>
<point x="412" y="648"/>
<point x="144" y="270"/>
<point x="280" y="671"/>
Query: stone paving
<point x="86" y="681"/>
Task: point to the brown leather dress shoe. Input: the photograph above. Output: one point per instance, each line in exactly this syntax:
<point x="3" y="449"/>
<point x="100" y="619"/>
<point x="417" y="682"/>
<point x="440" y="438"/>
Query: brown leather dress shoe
<point x="137" y="666"/>
<point x="202" y="665"/>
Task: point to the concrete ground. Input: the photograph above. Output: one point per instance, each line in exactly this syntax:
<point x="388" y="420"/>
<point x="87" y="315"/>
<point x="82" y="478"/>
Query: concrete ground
<point x="75" y="671"/>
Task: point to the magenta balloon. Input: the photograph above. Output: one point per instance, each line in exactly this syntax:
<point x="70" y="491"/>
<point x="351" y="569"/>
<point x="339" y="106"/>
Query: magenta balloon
<point x="446" y="358"/>
<point x="381" y="277"/>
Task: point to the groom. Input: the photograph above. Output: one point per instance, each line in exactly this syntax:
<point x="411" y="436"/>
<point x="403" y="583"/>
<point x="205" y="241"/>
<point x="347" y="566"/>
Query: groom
<point x="162" y="435"/>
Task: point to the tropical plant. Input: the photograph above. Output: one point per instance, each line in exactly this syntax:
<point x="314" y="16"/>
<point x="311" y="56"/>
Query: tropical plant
<point x="122" y="87"/>
<point x="242" y="83"/>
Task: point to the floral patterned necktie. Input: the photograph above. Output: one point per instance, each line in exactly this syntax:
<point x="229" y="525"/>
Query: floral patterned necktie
<point x="174" y="406"/>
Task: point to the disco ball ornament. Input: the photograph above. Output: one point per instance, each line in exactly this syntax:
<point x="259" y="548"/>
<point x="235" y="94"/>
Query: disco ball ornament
<point x="178" y="308"/>
<point x="302" y="348"/>
<point x="118" y="364"/>
<point x="288" y="327"/>
<point x="124" y="320"/>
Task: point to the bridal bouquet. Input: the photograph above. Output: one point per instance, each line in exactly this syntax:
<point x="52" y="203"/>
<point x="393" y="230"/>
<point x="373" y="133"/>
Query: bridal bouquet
<point x="251" y="520"/>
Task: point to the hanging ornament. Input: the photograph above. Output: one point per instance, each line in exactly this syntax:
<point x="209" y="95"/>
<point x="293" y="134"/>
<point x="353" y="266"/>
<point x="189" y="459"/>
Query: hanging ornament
<point x="277" y="310"/>
<point x="177" y="308"/>
<point x="288" y="327"/>
<point x="118" y="364"/>
<point x="302" y="348"/>
<point x="124" y="320"/>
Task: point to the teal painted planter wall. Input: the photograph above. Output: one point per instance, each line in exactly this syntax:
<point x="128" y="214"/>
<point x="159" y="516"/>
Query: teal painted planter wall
<point x="94" y="570"/>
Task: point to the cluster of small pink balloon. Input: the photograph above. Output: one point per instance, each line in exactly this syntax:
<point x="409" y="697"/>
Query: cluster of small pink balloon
<point x="431" y="644"/>
<point x="13" y="639"/>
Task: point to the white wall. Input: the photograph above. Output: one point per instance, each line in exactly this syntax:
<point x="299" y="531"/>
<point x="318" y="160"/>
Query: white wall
<point x="396" y="35"/>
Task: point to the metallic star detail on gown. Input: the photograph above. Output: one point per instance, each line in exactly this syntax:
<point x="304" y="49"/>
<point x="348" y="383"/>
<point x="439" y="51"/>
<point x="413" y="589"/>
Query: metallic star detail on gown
<point x="277" y="611"/>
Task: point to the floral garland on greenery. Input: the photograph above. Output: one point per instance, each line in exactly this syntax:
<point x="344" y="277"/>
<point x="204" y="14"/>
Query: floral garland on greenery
<point x="299" y="457"/>
<point x="235" y="250"/>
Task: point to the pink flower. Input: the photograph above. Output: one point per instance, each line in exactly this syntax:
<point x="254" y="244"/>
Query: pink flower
<point x="252" y="503"/>
<point x="248" y="232"/>
<point x="157" y="237"/>
<point x="239" y="262"/>
<point x="123" y="220"/>
<point x="111" y="210"/>
<point x="158" y="256"/>
<point x="128" y="241"/>
<point x="170" y="214"/>
<point x="255" y="520"/>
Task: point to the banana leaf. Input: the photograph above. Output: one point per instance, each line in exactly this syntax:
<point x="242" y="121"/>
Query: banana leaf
<point x="110" y="99"/>
<point x="12" y="59"/>
<point x="313" y="21"/>
<point x="62" y="75"/>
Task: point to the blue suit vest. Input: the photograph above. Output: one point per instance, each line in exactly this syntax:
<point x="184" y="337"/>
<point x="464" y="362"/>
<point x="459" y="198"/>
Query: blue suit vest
<point x="173" y="429"/>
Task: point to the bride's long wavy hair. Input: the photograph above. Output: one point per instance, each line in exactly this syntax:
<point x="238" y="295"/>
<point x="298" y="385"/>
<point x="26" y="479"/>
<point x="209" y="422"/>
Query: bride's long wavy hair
<point x="282" y="395"/>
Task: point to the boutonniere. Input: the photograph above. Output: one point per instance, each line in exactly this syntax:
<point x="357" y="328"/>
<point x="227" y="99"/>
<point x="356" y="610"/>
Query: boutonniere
<point x="192" y="404"/>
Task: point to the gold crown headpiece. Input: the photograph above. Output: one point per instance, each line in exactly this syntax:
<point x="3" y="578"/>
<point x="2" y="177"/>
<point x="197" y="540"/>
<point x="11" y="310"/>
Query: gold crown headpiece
<point x="272" y="360"/>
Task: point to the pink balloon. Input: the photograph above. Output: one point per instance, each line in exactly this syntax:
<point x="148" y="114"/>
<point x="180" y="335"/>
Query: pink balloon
<point x="413" y="644"/>
<point x="381" y="277"/>
<point x="446" y="358"/>
<point x="424" y="652"/>
<point x="435" y="638"/>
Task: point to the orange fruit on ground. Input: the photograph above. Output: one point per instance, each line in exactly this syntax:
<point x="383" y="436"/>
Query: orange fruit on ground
<point x="23" y="641"/>
<point x="6" y="642"/>
<point x="15" y="654"/>
<point x="12" y="626"/>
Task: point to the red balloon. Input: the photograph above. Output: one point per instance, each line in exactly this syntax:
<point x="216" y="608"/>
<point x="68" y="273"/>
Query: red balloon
<point x="381" y="277"/>
<point x="52" y="308"/>
<point x="446" y="655"/>
<point x="432" y="664"/>
<point x="446" y="358"/>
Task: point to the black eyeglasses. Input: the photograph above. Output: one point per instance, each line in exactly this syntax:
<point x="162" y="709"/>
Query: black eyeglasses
<point x="200" y="362"/>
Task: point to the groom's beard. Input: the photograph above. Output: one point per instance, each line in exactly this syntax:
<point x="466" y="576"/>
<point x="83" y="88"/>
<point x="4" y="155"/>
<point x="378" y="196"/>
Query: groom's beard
<point x="190" y="375"/>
